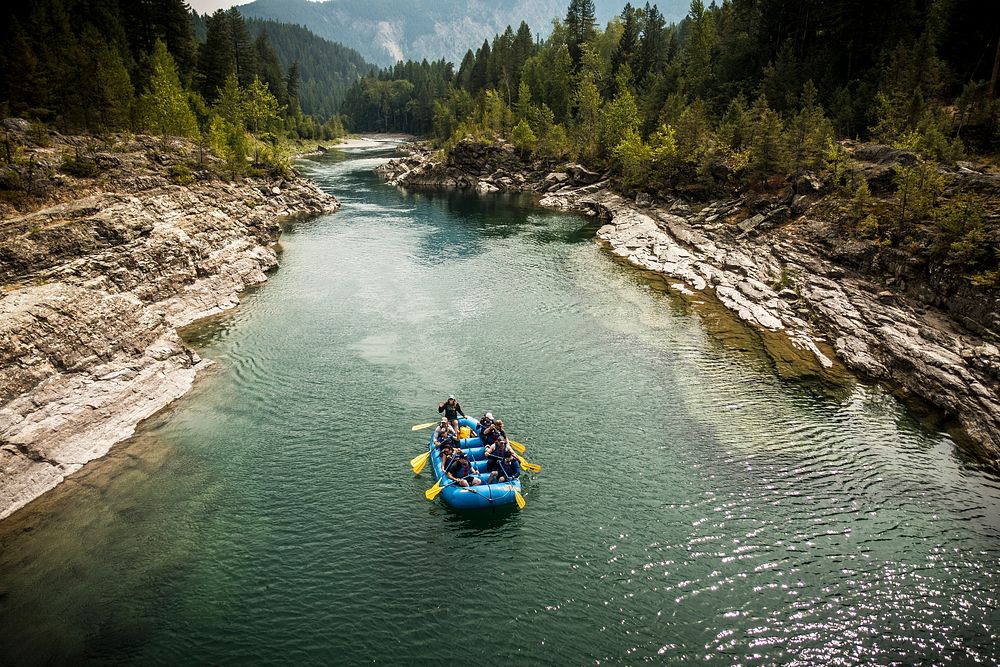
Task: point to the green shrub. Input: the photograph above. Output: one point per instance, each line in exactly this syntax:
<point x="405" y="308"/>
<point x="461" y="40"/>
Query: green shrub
<point x="81" y="168"/>
<point x="180" y="174"/>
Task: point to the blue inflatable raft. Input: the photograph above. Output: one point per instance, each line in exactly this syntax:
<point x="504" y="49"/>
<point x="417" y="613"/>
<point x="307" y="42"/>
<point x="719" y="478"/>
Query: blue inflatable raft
<point x="473" y="497"/>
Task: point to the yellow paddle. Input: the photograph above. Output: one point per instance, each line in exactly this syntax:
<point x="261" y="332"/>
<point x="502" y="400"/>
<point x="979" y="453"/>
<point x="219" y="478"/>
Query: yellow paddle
<point x="519" y="499"/>
<point x="518" y="447"/>
<point x="420" y="427"/>
<point x="530" y="467"/>
<point x="420" y="462"/>
<point x="431" y="493"/>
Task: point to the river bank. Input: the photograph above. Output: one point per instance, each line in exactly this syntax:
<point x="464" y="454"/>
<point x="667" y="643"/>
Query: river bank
<point x="98" y="271"/>
<point x="783" y="267"/>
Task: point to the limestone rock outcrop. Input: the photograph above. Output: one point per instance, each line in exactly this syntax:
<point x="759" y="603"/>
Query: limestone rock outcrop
<point x="817" y="300"/>
<point x="93" y="293"/>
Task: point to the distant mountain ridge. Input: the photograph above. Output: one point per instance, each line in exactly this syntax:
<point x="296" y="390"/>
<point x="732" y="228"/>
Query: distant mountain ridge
<point x="385" y="31"/>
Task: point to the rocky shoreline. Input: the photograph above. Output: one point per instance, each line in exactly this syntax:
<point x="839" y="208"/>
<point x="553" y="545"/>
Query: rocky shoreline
<point x="95" y="289"/>
<point x="791" y="276"/>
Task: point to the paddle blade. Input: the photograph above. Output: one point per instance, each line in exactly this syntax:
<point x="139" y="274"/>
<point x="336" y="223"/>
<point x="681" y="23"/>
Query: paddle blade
<point x="420" y="427"/>
<point x="431" y="493"/>
<point x="421" y="464"/>
<point x="530" y="467"/>
<point x="518" y="447"/>
<point x="415" y="461"/>
<point x="519" y="499"/>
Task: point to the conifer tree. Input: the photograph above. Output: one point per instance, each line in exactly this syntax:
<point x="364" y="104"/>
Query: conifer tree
<point x="579" y="27"/>
<point x="628" y="43"/>
<point x="164" y="105"/>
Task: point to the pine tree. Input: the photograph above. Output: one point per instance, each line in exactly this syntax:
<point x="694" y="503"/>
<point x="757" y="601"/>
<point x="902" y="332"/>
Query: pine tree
<point x="164" y="105"/>
<point x="270" y="68"/>
<point x="698" y="51"/>
<point x="652" y="46"/>
<point x="628" y="44"/>
<point x="216" y="58"/>
<point x="580" y="29"/>
<point x="260" y="110"/>
<point x="768" y="155"/>
<point x="479" y="77"/>
<point x="810" y="131"/>
<point x="292" y="88"/>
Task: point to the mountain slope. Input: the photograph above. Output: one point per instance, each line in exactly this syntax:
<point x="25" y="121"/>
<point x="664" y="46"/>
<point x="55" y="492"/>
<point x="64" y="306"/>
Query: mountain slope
<point x="385" y="31"/>
<point x="327" y="69"/>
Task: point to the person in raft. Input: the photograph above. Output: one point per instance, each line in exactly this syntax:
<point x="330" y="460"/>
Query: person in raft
<point x="461" y="472"/>
<point x="442" y="431"/>
<point x="451" y="410"/>
<point x="508" y="469"/>
<point x="495" y="453"/>
<point x="447" y="454"/>
<point x="446" y="437"/>
<point x="484" y="423"/>
<point x="493" y="432"/>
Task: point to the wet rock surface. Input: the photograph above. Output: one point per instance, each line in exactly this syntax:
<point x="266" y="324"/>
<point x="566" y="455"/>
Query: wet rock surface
<point x="817" y="301"/>
<point x="94" y="290"/>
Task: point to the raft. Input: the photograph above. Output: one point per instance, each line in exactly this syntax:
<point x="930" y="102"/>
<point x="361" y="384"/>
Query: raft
<point x="473" y="497"/>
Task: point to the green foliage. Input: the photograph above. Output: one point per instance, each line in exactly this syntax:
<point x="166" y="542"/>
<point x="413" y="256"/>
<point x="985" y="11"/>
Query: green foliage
<point x="918" y="189"/>
<point x="79" y="167"/>
<point x="165" y="108"/>
<point x="768" y="151"/>
<point x="523" y="138"/>
<point x="180" y="174"/>
<point x="962" y="239"/>
<point x="809" y="132"/>
<point x="633" y="158"/>
<point x="230" y="142"/>
<point x="619" y="117"/>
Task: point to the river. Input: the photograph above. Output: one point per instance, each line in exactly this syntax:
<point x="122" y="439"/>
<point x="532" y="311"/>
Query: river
<point x="693" y="506"/>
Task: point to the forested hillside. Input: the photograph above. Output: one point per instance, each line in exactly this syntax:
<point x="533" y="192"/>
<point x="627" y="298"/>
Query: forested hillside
<point x="737" y="96"/>
<point x="386" y="31"/>
<point x="102" y="66"/>
<point x="326" y="69"/>
<point x="720" y="89"/>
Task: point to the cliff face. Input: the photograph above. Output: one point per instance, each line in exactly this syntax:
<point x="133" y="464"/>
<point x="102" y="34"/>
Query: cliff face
<point x="786" y="267"/>
<point x="95" y="289"/>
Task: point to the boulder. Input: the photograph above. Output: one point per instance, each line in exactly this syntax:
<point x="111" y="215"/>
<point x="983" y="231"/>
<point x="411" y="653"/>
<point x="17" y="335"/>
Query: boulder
<point x="580" y="174"/>
<point x="886" y="155"/>
<point x="554" y="180"/>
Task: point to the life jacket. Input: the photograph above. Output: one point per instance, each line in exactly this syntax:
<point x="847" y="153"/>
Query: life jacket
<point x="500" y="448"/>
<point x="491" y="437"/>
<point x="509" y="469"/>
<point x="484" y="423"/>
<point x="463" y="470"/>
<point x="449" y="438"/>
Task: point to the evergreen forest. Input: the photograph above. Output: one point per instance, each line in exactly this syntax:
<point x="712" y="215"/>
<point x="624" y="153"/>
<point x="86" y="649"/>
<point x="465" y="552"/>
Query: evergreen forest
<point x="737" y="92"/>
<point x="101" y="66"/>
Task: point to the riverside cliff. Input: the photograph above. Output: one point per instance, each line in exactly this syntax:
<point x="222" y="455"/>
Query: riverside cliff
<point x="98" y="273"/>
<point x="785" y="264"/>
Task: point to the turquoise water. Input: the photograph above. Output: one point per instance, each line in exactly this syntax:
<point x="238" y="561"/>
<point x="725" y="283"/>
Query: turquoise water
<point x="693" y="507"/>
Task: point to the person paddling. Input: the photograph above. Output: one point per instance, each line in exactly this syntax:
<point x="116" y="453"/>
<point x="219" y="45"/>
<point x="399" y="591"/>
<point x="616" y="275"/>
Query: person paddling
<point x="493" y="432"/>
<point x="509" y="468"/>
<point x="445" y="435"/>
<point x="495" y="453"/>
<point x="451" y="410"/>
<point x="460" y="471"/>
<point x="447" y="455"/>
